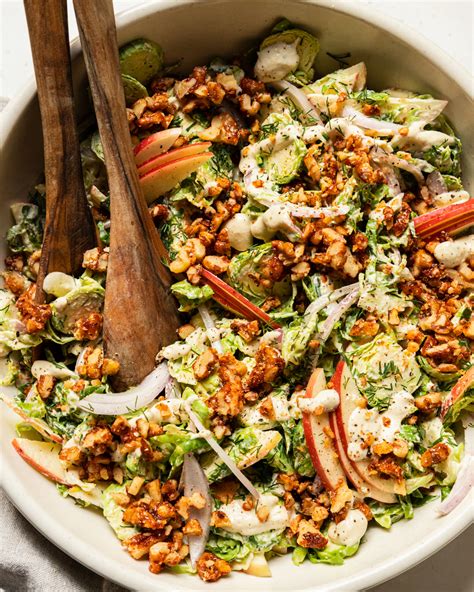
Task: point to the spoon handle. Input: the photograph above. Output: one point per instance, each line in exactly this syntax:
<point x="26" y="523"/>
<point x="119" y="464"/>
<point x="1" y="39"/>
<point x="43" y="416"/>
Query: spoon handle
<point x="140" y="313"/>
<point x="69" y="228"/>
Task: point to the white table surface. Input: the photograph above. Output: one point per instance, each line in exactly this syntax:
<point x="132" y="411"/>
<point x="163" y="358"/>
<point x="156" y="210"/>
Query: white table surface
<point x="449" y="23"/>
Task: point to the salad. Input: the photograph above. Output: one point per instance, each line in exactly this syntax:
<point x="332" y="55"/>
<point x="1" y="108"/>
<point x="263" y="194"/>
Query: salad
<point x="322" y="379"/>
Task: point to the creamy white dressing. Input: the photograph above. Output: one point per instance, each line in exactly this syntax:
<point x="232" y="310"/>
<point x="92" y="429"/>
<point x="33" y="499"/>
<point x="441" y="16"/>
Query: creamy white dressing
<point x="59" y="284"/>
<point x="165" y="411"/>
<point x="276" y="219"/>
<point x="349" y="531"/>
<point x="239" y="232"/>
<point x="313" y="133"/>
<point x="253" y="416"/>
<point x="175" y="351"/>
<point x="246" y="522"/>
<point x="450" y="197"/>
<point x="454" y="253"/>
<point x="419" y="140"/>
<point x="276" y="61"/>
<point x="42" y="367"/>
<point x="382" y="426"/>
<point x="327" y="400"/>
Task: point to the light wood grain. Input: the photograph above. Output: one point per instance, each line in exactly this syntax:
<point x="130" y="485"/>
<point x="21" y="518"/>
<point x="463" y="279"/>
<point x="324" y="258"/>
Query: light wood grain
<point x="69" y="228"/>
<point x="140" y="314"/>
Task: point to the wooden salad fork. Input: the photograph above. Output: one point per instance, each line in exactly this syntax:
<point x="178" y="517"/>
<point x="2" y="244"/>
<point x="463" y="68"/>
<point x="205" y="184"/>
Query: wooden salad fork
<point x="140" y="314"/>
<point x="69" y="227"/>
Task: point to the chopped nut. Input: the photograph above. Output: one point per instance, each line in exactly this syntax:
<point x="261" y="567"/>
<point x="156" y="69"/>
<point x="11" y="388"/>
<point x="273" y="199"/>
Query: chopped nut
<point x="434" y="455"/>
<point x="216" y="264"/>
<point x="185" y="330"/>
<point x="135" y="485"/>
<point x="192" y="527"/>
<point x="205" y="364"/>
<point x="210" y="568"/>
<point x="121" y="499"/>
<point x="309" y="536"/>
<point x="154" y="490"/>
<point x="110" y="367"/>
<point x="263" y="512"/>
<point x="400" y="448"/>
<point x="45" y="385"/>
<point x="219" y="519"/>
<point x="96" y="259"/>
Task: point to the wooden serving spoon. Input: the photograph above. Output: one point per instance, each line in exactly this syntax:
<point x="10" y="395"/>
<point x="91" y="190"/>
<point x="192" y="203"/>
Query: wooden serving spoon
<point x="69" y="228"/>
<point x="140" y="314"/>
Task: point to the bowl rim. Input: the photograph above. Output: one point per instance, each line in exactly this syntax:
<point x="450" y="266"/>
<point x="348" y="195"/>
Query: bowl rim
<point x="59" y="534"/>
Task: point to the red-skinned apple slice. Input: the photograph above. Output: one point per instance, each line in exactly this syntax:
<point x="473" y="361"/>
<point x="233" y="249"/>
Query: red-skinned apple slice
<point x="43" y="457"/>
<point x="320" y="446"/>
<point x="38" y="424"/>
<point x="163" y="178"/>
<point x="362" y="487"/>
<point x="452" y="219"/>
<point x="155" y="144"/>
<point x="349" y="396"/>
<point x="176" y="154"/>
<point x="462" y="385"/>
<point x="230" y="298"/>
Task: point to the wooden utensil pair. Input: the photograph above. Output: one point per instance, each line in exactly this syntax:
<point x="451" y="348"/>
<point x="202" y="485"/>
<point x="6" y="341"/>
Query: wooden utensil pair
<point x="140" y="315"/>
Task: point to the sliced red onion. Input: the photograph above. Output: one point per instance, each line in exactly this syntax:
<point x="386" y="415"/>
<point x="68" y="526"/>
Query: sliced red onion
<point x="210" y="327"/>
<point x="369" y="122"/>
<point x="468" y="425"/>
<point x="309" y="113"/>
<point x="195" y="481"/>
<point x="435" y="183"/>
<point x="325" y="299"/>
<point x="379" y="155"/>
<point x="172" y="389"/>
<point x="337" y="313"/>
<point x="461" y="488"/>
<point x="135" y="398"/>
<point x="221" y="453"/>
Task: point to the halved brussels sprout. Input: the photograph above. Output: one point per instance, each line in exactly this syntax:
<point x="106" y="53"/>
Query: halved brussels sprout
<point x="307" y="47"/>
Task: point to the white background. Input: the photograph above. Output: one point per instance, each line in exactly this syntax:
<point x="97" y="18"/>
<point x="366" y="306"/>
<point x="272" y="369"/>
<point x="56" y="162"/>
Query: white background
<point x="449" y="24"/>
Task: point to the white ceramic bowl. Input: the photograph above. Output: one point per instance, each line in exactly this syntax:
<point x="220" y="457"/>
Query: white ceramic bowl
<point x="195" y="31"/>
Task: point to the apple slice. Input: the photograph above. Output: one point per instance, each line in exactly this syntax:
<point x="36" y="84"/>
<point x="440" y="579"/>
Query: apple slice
<point x="259" y="567"/>
<point x="163" y="178"/>
<point x="43" y="457"/>
<point x="349" y="396"/>
<point x="38" y="424"/>
<point x="462" y="385"/>
<point x="317" y="434"/>
<point x="176" y="154"/>
<point x="362" y="487"/>
<point x="155" y="144"/>
<point x="229" y="298"/>
<point x="452" y="219"/>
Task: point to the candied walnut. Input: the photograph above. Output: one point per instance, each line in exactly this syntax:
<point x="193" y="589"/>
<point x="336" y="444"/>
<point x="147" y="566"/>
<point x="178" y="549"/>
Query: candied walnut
<point x="300" y="271"/>
<point x="192" y="527"/>
<point x="248" y="105"/>
<point x="311" y="162"/>
<point x="248" y="330"/>
<point x="269" y="364"/>
<point x="92" y="361"/>
<point x="228" y="401"/>
<point x="196" y="500"/>
<point x="312" y="508"/>
<point x="140" y="544"/>
<point x="228" y="83"/>
<point x="364" y="328"/>
<point x="45" y="385"/>
<point x="97" y="440"/>
<point x="219" y="519"/>
<point x="252" y="87"/>
<point x="402" y="219"/>
<point x="210" y="568"/>
<point x="169" y="490"/>
<point x="14" y="263"/>
<point x="340" y="497"/>
<point x="72" y="455"/>
<point x="216" y="264"/>
<point x="121" y="499"/>
<point x="222" y="245"/>
<point x="35" y="316"/>
<point x="88" y="328"/>
<point x="309" y="536"/>
<point x="181" y="263"/>
<point x="387" y="466"/>
<point x="185" y="330"/>
<point x="205" y="364"/>
<point x="138" y="514"/>
<point x="96" y="259"/>
<point x="266" y="408"/>
<point x="110" y="367"/>
<point x="429" y="402"/>
<point x="364" y="508"/>
<point x="15" y="282"/>
<point x="382" y="448"/>
<point x="223" y="129"/>
<point x="159" y="212"/>
<point x="435" y="455"/>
